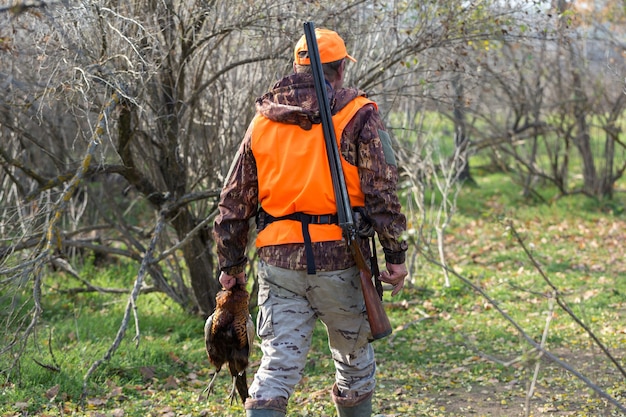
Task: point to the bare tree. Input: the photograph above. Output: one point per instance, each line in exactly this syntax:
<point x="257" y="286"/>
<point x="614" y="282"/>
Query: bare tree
<point x="554" y="94"/>
<point x="115" y="115"/>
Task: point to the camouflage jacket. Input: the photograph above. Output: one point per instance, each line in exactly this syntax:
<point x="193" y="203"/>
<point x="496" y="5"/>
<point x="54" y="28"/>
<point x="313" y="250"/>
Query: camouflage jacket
<point x="364" y="143"/>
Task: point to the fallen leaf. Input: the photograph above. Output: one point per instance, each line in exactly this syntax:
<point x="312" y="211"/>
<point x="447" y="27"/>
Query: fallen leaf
<point x="21" y="405"/>
<point x="175" y="358"/>
<point x="147" y="372"/>
<point x="52" y="392"/>
<point x="96" y="402"/>
<point x="116" y="392"/>
<point x="171" y="383"/>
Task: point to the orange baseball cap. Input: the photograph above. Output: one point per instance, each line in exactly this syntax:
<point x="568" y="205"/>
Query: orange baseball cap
<point x="330" y="45"/>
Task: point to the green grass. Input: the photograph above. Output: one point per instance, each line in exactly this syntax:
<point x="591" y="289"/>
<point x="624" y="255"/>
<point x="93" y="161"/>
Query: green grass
<point x="446" y="356"/>
<point x="80" y="329"/>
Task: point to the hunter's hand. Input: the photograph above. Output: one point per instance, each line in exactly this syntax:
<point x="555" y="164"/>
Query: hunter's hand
<point x="394" y="275"/>
<point x="229" y="281"/>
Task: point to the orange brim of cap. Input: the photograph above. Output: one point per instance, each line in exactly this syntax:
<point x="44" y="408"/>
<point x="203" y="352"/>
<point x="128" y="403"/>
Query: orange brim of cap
<point x="330" y="45"/>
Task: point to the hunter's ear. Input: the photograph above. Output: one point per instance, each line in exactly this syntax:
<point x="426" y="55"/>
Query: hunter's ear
<point x="341" y="69"/>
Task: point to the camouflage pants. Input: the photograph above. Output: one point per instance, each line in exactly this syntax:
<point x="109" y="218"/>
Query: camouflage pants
<point x="290" y="302"/>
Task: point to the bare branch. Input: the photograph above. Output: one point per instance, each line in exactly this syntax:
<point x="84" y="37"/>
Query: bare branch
<point x="537" y="346"/>
<point x="559" y="299"/>
<point x="131" y="306"/>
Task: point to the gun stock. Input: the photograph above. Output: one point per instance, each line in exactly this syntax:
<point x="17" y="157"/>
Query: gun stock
<point x="376" y="315"/>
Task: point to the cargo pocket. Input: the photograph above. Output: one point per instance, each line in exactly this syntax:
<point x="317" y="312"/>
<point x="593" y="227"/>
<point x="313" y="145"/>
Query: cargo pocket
<point x="264" y="324"/>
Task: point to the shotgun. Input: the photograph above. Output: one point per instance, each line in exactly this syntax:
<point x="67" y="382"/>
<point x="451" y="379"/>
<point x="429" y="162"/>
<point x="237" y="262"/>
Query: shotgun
<point x="379" y="322"/>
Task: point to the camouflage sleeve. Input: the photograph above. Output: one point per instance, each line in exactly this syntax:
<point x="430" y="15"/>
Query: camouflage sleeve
<point x="238" y="203"/>
<point x="366" y="144"/>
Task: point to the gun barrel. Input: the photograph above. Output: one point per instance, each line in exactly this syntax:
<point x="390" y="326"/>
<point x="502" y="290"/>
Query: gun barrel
<point x="379" y="322"/>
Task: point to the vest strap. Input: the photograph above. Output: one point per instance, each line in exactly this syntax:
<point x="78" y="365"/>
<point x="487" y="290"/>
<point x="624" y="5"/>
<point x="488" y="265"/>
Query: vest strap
<point x="263" y="219"/>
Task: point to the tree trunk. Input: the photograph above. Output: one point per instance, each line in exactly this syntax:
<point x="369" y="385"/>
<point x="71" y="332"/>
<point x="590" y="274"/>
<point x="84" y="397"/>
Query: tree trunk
<point x="583" y="143"/>
<point x="582" y="138"/>
<point x="196" y="251"/>
<point x="199" y="260"/>
<point x="461" y="139"/>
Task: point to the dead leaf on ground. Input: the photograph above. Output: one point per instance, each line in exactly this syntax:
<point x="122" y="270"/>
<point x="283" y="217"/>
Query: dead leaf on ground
<point x="21" y="405"/>
<point x="52" y="392"/>
<point x="175" y="358"/>
<point x="171" y="383"/>
<point x="96" y="402"/>
<point x="147" y="372"/>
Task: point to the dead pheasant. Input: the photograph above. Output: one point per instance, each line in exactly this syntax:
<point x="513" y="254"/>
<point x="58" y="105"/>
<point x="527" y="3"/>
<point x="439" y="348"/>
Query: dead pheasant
<point x="229" y="334"/>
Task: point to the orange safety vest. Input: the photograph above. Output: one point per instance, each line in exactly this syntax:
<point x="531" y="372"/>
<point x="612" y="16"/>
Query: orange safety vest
<point x="294" y="176"/>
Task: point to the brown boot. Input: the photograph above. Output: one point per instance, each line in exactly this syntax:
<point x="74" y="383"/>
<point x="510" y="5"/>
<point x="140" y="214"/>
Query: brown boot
<point x="275" y="407"/>
<point x="352" y="406"/>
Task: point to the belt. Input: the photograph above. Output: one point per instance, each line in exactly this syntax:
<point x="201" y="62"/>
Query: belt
<point x="263" y="219"/>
